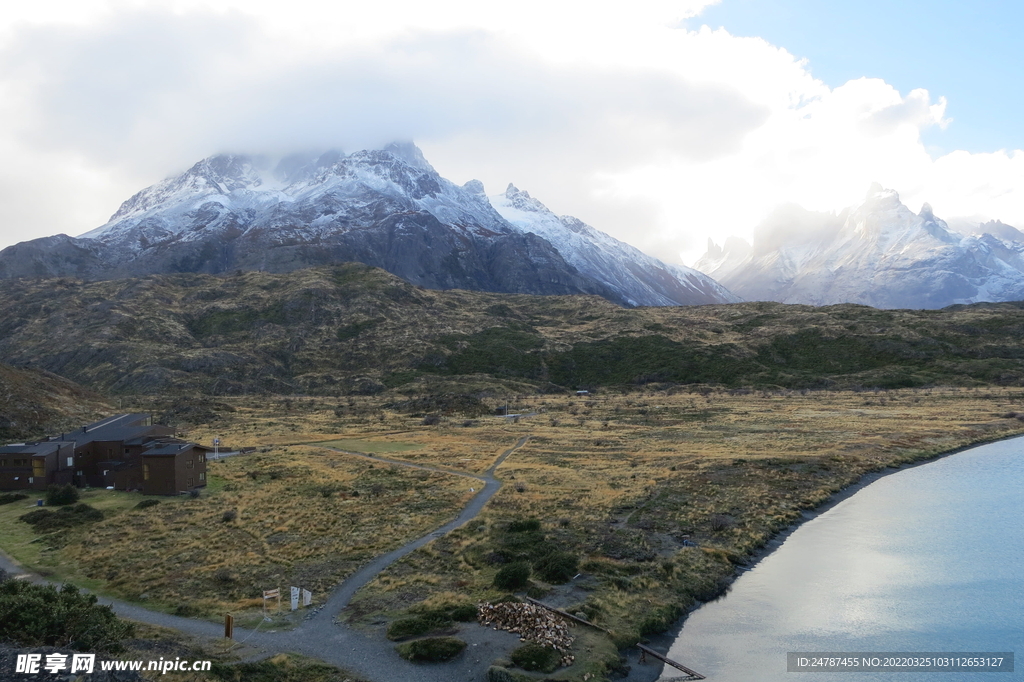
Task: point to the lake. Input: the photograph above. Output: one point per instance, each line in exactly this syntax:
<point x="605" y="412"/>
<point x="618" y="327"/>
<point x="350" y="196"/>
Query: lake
<point x="928" y="559"/>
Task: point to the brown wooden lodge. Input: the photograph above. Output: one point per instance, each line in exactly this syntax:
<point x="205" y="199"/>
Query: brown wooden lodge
<point x="127" y="452"/>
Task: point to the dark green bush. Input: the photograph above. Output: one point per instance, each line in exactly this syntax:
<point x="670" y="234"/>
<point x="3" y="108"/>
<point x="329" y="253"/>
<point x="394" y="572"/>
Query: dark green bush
<point x="146" y="504"/>
<point x="410" y="627"/>
<point x="557" y="567"/>
<point x="61" y="495"/>
<point x="41" y="615"/>
<point x="7" y="498"/>
<point x="513" y="576"/>
<point x="427" y="619"/>
<point x="533" y="656"/>
<point x="43" y="520"/>
<point x="432" y="649"/>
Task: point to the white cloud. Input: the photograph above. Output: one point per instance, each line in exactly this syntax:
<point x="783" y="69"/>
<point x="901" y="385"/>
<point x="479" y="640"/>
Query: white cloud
<point x="655" y="133"/>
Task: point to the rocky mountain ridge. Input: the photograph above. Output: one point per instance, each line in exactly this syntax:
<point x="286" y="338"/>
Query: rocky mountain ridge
<point x="879" y="253"/>
<point x="387" y="208"/>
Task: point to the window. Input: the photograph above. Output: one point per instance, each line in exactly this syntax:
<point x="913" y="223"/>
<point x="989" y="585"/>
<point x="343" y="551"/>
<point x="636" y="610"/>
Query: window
<point x="39" y="467"/>
<point x="202" y="457"/>
<point x="3" y="462"/>
<point x="202" y="475"/>
<point x="145" y="472"/>
<point x="190" y="483"/>
<point x="71" y="461"/>
<point x="188" y="463"/>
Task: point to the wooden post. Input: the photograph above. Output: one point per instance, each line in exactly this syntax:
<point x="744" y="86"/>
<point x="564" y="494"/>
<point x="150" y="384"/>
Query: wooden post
<point x="229" y="626"/>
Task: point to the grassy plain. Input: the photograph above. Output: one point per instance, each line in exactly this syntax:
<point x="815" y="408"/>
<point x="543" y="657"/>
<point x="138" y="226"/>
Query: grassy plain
<point x="620" y="480"/>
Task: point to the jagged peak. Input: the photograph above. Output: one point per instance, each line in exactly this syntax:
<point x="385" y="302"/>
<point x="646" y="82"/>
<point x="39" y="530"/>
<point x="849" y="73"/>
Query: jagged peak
<point x="522" y="200"/>
<point x="926" y="211"/>
<point x="475" y="187"/>
<point x="409" y="153"/>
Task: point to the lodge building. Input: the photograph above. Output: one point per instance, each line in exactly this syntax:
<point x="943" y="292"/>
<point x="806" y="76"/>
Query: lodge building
<point x="126" y="452"/>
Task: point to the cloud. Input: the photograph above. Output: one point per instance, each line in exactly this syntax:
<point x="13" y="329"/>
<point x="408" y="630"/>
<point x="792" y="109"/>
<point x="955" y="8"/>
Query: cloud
<point x="656" y="133"/>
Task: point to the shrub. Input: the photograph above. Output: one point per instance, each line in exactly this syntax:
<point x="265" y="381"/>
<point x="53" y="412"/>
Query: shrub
<point x="229" y="516"/>
<point x="43" y="520"/>
<point x="61" y="495"/>
<point x="7" y="498"/>
<point x="557" y="567"/>
<point x="533" y="656"/>
<point x="146" y="504"/>
<point x="41" y="615"/>
<point x="431" y="420"/>
<point x="513" y="576"/>
<point x="194" y="493"/>
<point x="409" y="627"/>
<point x="432" y="649"/>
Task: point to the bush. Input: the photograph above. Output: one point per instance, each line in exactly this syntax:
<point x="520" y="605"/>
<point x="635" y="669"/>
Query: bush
<point x="146" y="504"/>
<point x="533" y="656"/>
<point x="431" y="420"/>
<point x="427" y="619"/>
<point x="40" y="615"/>
<point x="229" y="516"/>
<point x="513" y="576"/>
<point x="432" y="649"/>
<point x="61" y="495"/>
<point x="43" y="520"/>
<point x="7" y="498"/>
<point x="557" y="567"/>
<point x="409" y="627"/>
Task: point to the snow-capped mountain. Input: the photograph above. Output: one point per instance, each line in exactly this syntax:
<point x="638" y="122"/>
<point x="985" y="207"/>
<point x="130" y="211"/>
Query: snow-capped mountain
<point x="388" y="208"/>
<point x="643" y="280"/>
<point x="879" y="253"/>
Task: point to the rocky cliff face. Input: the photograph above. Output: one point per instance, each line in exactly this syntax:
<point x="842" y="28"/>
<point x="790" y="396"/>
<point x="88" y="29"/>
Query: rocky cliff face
<point x="879" y="254"/>
<point x="387" y="208"/>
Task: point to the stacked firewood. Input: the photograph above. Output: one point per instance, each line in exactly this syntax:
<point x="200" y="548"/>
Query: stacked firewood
<point x="531" y="623"/>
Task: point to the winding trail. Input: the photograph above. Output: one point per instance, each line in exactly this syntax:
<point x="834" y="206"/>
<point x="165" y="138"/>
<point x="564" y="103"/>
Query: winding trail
<point x="321" y="637"/>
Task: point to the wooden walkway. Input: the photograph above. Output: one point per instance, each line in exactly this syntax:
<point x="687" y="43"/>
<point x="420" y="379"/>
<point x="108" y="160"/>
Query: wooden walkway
<point x="693" y="674"/>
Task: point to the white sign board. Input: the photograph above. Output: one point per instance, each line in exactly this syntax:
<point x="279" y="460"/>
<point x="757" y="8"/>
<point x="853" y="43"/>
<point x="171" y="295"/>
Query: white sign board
<point x="295" y="598"/>
<point x="307" y="597"/>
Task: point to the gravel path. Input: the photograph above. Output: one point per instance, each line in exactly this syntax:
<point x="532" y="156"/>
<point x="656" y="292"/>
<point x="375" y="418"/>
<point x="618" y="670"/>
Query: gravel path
<point x="335" y="643"/>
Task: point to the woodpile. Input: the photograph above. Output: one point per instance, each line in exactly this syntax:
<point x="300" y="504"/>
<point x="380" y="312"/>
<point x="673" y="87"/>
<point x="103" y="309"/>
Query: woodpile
<point x="532" y="624"/>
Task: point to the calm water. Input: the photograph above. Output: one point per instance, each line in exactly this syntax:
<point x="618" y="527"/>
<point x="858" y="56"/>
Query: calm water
<point x="928" y="559"/>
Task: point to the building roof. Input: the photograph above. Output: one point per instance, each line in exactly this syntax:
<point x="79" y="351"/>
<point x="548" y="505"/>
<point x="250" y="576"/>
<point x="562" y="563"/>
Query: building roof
<point x="123" y="427"/>
<point x="164" y="449"/>
<point x="29" y="449"/>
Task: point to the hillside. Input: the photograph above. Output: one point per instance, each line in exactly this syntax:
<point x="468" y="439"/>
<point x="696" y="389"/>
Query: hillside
<point x="34" y="403"/>
<point x="358" y="329"/>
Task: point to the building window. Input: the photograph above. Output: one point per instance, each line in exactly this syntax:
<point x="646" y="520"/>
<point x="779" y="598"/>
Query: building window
<point x="3" y="462"/>
<point x="39" y="468"/>
<point x="145" y="472"/>
<point x="202" y="456"/>
<point x="71" y="461"/>
<point x="190" y="484"/>
<point x="188" y="463"/>
<point x="202" y="475"/>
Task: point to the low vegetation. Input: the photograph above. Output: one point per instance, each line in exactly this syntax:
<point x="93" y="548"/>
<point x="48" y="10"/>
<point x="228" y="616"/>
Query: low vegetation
<point x="43" y="615"/>
<point x="652" y="495"/>
<point x="431" y="649"/>
<point x="352" y="329"/>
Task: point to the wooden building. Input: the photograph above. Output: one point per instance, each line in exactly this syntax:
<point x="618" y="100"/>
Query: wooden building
<point x="127" y="452"/>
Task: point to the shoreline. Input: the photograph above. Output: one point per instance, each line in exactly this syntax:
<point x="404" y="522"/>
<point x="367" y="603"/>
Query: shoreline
<point x="650" y="672"/>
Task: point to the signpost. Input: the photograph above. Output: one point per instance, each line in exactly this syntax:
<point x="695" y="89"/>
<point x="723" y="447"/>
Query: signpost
<point x="216" y="447"/>
<point x="295" y="598"/>
<point x="271" y="594"/>
<point x="307" y="597"/>
<point x="229" y="626"/>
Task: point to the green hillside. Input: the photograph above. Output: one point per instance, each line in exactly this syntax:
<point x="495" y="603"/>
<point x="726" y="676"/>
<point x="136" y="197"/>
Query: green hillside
<point x="352" y="328"/>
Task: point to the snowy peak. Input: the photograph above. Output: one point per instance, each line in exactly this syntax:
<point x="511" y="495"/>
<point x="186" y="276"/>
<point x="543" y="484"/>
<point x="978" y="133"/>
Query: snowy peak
<point x="386" y="207"/>
<point x="878" y="253"/>
<point x="641" y="279"/>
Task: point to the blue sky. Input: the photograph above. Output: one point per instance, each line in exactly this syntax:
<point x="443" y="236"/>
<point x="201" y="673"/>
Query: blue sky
<point x="972" y="53"/>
